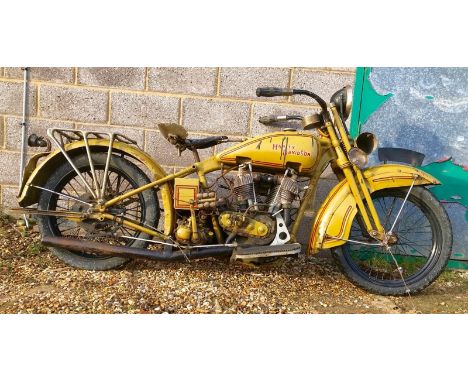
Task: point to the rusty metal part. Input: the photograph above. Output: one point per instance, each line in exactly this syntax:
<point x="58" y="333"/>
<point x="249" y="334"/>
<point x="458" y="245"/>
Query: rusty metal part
<point x="377" y="235"/>
<point x="195" y="238"/>
<point x="257" y="252"/>
<point x="391" y="238"/>
<point x="103" y="249"/>
<point x="285" y="192"/>
<point x="216" y="229"/>
<point x="255" y="240"/>
<point x="244" y="225"/>
<point x="207" y="200"/>
<point x="205" y="195"/>
<point x="250" y="231"/>
<point x="35" y="211"/>
<point x="243" y="186"/>
<point x="314" y="121"/>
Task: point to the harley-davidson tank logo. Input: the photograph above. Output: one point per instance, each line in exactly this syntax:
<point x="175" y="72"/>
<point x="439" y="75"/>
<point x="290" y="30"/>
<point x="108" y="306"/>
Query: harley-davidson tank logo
<point x="291" y="150"/>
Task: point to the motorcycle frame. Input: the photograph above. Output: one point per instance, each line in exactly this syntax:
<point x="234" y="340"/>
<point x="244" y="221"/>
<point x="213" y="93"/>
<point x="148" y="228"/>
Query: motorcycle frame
<point x="340" y="164"/>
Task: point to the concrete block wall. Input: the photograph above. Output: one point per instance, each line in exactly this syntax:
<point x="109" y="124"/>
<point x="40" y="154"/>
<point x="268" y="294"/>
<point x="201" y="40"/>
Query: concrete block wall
<point x="132" y="101"/>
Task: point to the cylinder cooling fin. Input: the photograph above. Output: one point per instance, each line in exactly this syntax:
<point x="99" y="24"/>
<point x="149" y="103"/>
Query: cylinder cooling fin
<point x="244" y="185"/>
<point x="285" y="192"/>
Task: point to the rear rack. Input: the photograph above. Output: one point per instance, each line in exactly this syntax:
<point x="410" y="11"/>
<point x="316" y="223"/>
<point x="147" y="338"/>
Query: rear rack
<point x="62" y="137"/>
<point x="70" y="135"/>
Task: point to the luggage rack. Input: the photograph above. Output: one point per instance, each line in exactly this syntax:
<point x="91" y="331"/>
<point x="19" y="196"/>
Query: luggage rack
<point x="62" y="137"/>
<point x="70" y="135"/>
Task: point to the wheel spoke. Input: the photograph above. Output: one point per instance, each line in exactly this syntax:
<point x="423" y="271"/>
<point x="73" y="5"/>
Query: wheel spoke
<point x="414" y="247"/>
<point x="117" y="184"/>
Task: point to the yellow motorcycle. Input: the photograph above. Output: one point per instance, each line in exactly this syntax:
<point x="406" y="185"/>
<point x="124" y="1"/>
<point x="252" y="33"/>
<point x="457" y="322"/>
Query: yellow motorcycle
<point x="101" y="200"/>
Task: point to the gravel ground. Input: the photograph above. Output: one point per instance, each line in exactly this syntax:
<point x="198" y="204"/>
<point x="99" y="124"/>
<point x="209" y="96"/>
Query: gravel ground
<point x="34" y="281"/>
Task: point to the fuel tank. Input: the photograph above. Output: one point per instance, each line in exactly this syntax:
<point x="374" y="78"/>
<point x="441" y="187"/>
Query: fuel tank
<point x="276" y="151"/>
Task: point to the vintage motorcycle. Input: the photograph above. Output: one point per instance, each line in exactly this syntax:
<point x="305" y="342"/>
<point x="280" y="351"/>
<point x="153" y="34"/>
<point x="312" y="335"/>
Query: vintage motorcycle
<point x="101" y="200"/>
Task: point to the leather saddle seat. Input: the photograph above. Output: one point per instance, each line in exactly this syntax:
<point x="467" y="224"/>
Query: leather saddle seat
<point x="177" y="135"/>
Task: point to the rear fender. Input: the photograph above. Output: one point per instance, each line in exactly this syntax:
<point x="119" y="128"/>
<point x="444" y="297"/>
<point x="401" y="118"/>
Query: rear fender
<point x="337" y="212"/>
<point x="38" y="173"/>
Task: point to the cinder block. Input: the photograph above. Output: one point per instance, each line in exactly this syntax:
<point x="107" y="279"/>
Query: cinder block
<point x="322" y="83"/>
<point x="143" y="110"/>
<point x="62" y="75"/>
<point x="183" y="80"/>
<point x="11" y="98"/>
<point x="9" y="167"/>
<point x="131" y="78"/>
<point x="243" y="82"/>
<point x="261" y="110"/>
<point x="216" y="117"/>
<point x="9" y="197"/>
<point x="165" y="153"/>
<point x="136" y="134"/>
<point x="74" y="104"/>
<point x="36" y="126"/>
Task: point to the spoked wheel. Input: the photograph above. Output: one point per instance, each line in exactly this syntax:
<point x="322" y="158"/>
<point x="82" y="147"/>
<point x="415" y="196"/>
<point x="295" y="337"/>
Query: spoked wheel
<point x="122" y="176"/>
<point x="422" y="247"/>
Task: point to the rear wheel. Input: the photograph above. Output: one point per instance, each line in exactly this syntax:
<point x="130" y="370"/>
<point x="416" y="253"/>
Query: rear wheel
<point x="423" y="244"/>
<point x="123" y="176"/>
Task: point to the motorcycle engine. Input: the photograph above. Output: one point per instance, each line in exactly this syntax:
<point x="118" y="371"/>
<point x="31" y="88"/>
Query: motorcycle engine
<point x="247" y="214"/>
<point x="258" y="197"/>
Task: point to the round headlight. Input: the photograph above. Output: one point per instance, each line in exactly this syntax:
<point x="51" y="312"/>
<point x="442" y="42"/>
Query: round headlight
<point x="358" y="157"/>
<point x="343" y="100"/>
<point x="367" y="142"/>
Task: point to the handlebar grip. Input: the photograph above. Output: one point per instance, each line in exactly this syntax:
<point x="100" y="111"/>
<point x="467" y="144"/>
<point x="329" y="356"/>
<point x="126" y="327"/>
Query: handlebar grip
<point x="274" y="92"/>
<point x="271" y="119"/>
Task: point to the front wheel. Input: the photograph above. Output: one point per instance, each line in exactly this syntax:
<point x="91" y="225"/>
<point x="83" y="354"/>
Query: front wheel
<point x="423" y="244"/>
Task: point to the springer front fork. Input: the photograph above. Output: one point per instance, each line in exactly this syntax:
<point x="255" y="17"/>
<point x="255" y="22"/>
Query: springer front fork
<point x="354" y="177"/>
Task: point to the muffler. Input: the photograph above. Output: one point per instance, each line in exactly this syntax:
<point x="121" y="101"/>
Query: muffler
<point x="104" y="249"/>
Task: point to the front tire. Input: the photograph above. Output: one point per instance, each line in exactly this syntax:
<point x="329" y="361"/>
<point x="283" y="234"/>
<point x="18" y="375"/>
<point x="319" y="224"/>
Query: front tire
<point x="422" y="250"/>
<point x="123" y="176"/>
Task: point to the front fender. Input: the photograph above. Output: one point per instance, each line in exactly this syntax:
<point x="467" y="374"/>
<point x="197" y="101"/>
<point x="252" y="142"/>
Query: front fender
<point x="337" y="212"/>
<point x="38" y="174"/>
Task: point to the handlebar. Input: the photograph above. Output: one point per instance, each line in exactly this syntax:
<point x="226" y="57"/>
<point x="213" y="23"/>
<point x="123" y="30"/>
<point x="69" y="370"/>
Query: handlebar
<point x="274" y="92"/>
<point x="278" y="92"/>
<point x="277" y="118"/>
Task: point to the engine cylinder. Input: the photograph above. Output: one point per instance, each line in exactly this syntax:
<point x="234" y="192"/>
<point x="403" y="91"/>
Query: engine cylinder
<point x="244" y="186"/>
<point x="284" y="193"/>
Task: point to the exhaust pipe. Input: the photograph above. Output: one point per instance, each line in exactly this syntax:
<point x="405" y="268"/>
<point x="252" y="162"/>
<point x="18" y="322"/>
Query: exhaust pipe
<point x="119" y="251"/>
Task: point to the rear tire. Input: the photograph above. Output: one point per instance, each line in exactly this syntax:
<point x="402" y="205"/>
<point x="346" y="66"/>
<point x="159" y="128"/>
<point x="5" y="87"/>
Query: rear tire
<point x="423" y="217"/>
<point x="65" y="175"/>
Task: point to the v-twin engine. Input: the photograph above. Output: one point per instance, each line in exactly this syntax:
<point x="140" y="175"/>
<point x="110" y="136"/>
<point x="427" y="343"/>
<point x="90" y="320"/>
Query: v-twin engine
<point x="280" y="192"/>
